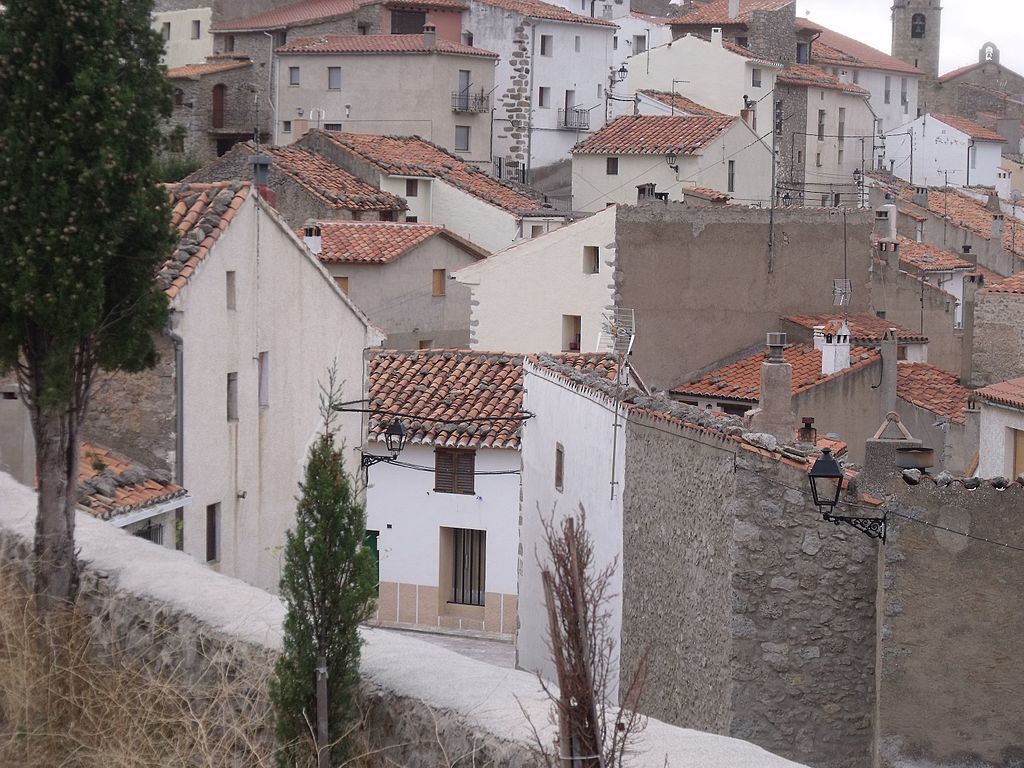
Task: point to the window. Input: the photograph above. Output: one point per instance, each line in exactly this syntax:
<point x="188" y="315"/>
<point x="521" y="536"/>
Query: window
<point x="213" y="532"/>
<point x="453" y="471"/>
<point x="1018" y="453"/>
<point x="280" y="38"/>
<point x="856" y="76"/>
<point x="408" y="22"/>
<point x="229" y="43"/>
<point x="363" y="29"/>
<point x="264" y="379"/>
<point x="232" y="397"/>
<point x="425" y="343"/>
<point x="600" y="91"/>
<point x="468" y="556"/>
<point x="195" y="29"/>
<point x="615" y="42"/>
<point x="342" y="281"/>
<point x="821" y="125"/>
<point x="591" y="259"/>
<point x="799" y="155"/>
<point x="841" y="155"/>
<point x="219" y="93"/>
<point x="151" y="531"/>
<point x="571" y="325"/>
<point x="294" y="76"/>
<point x="803" y="53"/>
<point x="577" y="43"/>
<point x="536" y="230"/>
<point x="334" y="78"/>
<point x="543" y="97"/>
<point x="611" y="166"/>
<point x="639" y="44"/>
<point x="332" y="126"/>
<point x="286" y="126"/>
<point x="817" y="159"/>
<point x="755" y="78"/>
<point x="462" y="138"/>
<point x="179" y="529"/>
<point x="229" y="288"/>
<point x="731" y="186"/>
<point x="547" y="45"/>
<point x="917" y="26"/>
<point x="412" y="219"/>
<point x="412" y="187"/>
<point x="888" y="87"/>
<point x="559" y="465"/>
<point x="742" y="42"/>
<point x="165" y="31"/>
<point x="438" y="280"/>
<point x="842" y="124"/>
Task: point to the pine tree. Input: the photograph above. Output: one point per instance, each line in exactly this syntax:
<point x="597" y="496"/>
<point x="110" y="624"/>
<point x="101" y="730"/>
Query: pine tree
<point x="328" y="583"/>
<point x="83" y="228"/>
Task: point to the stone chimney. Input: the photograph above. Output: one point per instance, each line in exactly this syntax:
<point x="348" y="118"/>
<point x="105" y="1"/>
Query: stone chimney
<point x="997" y="230"/>
<point x="920" y="196"/>
<point x="734" y="8"/>
<point x="17" y="442"/>
<point x="972" y="284"/>
<point x="716" y="36"/>
<point x="833" y="341"/>
<point x="311" y="236"/>
<point x="889" y="371"/>
<point x="774" y="413"/>
<point x="430" y="36"/>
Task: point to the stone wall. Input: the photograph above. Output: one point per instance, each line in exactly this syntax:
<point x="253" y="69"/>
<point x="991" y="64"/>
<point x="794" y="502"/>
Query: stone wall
<point x="425" y="706"/>
<point x="950" y="673"/>
<point x="998" y="338"/>
<point x="135" y="413"/>
<point x="792" y="144"/>
<point x="759" y="617"/>
<point x="773" y="33"/>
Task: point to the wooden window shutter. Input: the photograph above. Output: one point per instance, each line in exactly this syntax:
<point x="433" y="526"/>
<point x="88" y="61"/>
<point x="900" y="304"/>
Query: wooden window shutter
<point x="465" y="466"/>
<point x="444" y="471"/>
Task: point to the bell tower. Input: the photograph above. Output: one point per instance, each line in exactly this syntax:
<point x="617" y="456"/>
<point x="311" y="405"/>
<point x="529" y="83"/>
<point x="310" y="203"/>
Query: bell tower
<point x="915" y="34"/>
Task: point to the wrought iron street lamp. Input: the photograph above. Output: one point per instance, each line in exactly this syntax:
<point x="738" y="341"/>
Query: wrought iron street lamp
<point x="394" y="441"/>
<point x="826" y="479"/>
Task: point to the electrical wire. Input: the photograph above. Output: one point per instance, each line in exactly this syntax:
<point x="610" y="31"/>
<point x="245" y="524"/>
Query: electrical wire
<point x="421" y="468"/>
<point x="526" y="415"/>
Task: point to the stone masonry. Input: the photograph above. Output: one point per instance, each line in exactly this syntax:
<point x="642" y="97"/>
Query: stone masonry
<point x="998" y="337"/>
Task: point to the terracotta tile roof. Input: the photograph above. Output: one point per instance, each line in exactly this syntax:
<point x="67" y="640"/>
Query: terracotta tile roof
<point x="836" y="49"/>
<point x="716" y="13"/>
<point x="369" y="242"/>
<point x="200" y="213"/>
<point x="809" y="76"/>
<point x="335" y="186"/>
<point x="458" y="386"/>
<point x="654" y="135"/>
<point x="928" y="258"/>
<point x="971" y="128"/>
<point x="746" y="53"/>
<point x="933" y="389"/>
<point x="647" y="17"/>
<point x="970" y="214"/>
<point x="1012" y="284"/>
<point x="683" y="105"/>
<point x="210" y="67"/>
<point x="110" y="484"/>
<point x="864" y="328"/>
<point x="742" y="380"/>
<point x="712" y="195"/>
<point x="307" y="12"/>
<point x="413" y="156"/>
<point x="535" y="9"/>
<point x="381" y="44"/>
<point x="1010" y="392"/>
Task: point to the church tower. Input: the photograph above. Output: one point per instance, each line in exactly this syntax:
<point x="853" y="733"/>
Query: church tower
<point x="915" y="34"/>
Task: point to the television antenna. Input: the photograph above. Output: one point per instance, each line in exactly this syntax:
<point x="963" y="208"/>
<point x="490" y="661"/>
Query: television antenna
<point x="842" y="290"/>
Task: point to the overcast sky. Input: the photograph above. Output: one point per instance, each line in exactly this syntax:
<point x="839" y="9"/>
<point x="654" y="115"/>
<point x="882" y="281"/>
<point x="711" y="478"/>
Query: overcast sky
<point x="966" y="25"/>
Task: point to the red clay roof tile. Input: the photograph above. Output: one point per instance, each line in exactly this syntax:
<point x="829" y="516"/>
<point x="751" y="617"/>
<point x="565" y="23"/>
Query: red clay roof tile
<point x="210" y="67"/>
<point x="716" y="13"/>
<point x="928" y="258"/>
<point x="307" y="12"/>
<point x="933" y="389"/>
<point x="1009" y="392"/>
<point x="864" y="328"/>
<point x="368" y="242"/>
<point x="808" y="76"/>
<point x="134" y="487"/>
<point x="379" y="44"/>
<point x="1011" y="284"/>
<point x="654" y="135"/>
<point x="969" y="127"/>
<point x="682" y="105"/>
<point x="535" y="9"/>
<point x="835" y="49"/>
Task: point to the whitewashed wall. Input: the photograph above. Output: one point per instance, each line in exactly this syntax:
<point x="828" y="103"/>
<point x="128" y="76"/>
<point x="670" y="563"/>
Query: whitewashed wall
<point x="940" y="153"/>
<point x="995" y="455"/>
<point x="181" y="48"/>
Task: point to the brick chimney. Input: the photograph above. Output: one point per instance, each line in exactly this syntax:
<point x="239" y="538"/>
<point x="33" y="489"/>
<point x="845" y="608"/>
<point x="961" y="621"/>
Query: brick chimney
<point x="774" y="413"/>
<point x="311" y="236"/>
<point x="833" y="341"/>
<point x="430" y="36"/>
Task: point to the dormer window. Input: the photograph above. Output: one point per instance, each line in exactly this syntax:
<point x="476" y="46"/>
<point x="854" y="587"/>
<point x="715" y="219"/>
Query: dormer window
<point x="917" y="26"/>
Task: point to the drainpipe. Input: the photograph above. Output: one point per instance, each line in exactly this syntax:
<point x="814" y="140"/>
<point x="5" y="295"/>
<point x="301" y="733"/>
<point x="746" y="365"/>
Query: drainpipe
<point x="970" y="146"/>
<point x="529" y="114"/>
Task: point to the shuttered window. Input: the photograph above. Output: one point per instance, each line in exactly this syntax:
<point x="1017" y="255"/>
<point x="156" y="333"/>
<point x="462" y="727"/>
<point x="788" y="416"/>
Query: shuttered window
<point x="453" y="471"/>
<point x="468" y="551"/>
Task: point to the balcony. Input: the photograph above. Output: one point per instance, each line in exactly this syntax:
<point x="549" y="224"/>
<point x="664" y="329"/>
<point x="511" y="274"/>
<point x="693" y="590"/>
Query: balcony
<point x="508" y="169"/>
<point x="574" y="119"/>
<point x="463" y="101"/>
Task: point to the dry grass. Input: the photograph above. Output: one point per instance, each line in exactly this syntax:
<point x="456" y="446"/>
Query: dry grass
<point x="91" y="702"/>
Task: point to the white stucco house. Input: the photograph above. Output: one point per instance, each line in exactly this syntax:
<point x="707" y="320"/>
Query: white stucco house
<point x="550" y="294"/>
<point x="186" y="35"/>
<point x="1001" y="438"/>
<point x="936" y="150"/>
<point x="638" y="157"/>
<point x="552" y="74"/>
<point x="439" y="187"/>
<point x="937" y="267"/>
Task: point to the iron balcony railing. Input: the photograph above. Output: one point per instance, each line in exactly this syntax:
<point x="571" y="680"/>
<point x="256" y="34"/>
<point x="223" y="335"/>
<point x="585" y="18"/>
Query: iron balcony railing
<point x="463" y="101"/>
<point x="573" y="119"/>
<point x="509" y="170"/>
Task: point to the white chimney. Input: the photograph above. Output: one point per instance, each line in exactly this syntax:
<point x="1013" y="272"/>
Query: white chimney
<point x="311" y="236"/>
<point x="716" y="36"/>
<point x="429" y="36"/>
<point x="997" y="230"/>
<point x="835" y="348"/>
<point x="819" y="338"/>
<point x="886" y="224"/>
<point x="734" y="8"/>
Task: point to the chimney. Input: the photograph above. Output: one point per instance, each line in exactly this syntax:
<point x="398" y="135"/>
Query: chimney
<point x="920" y="196"/>
<point x="885" y="222"/>
<point x="716" y="36"/>
<point x="429" y="36"/>
<point x="997" y="230"/>
<point x="992" y="203"/>
<point x="734" y="8"/>
<point x="835" y="347"/>
<point x="17" y="440"/>
<point x="774" y="413"/>
<point x="972" y="284"/>
<point x="311" y="236"/>
<point x="645" y="192"/>
<point x="889" y="371"/>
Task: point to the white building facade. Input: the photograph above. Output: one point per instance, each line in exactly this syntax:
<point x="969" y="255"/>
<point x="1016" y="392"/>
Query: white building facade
<point x="186" y="35"/>
<point x="935" y="150"/>
<point x="1001" y="438"/>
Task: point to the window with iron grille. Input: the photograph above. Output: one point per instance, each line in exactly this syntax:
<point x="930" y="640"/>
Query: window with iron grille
<point x="453" y="471"/>
<point x="468" y="566"/>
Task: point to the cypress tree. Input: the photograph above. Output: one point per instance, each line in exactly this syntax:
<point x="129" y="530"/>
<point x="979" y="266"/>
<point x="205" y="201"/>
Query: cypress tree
<point x="328" y="584"/>
<point x="83" y="229"/>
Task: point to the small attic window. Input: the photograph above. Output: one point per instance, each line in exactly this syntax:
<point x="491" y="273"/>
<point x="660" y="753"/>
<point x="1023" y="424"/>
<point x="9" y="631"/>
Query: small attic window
<point x="917" y="26"/>
<point x="311" y="230"/>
